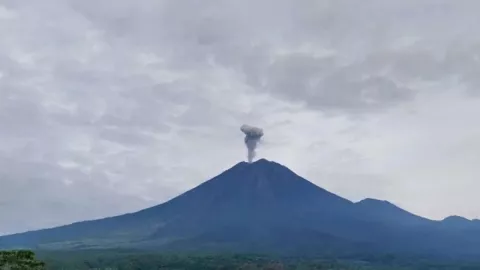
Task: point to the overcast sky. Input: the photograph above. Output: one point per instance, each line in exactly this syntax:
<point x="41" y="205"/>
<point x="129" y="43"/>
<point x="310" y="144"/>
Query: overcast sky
<point x="110" y="106"/>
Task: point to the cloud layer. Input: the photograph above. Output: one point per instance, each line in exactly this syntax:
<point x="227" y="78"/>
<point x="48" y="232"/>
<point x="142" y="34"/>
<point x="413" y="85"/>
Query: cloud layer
<point x="106" y="106"/>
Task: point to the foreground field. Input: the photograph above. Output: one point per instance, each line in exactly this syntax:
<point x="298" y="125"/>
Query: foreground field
<point x="115" y="259"/>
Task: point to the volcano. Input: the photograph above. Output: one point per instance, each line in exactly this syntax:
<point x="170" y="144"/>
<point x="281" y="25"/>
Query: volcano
<point x="260" y="207"/>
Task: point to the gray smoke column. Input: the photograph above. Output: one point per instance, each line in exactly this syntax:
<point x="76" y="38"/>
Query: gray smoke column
<point x="252" y="136"/>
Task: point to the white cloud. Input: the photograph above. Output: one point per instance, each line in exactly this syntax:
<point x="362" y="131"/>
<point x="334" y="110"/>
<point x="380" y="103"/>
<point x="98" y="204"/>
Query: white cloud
<point x="118" y="105"/>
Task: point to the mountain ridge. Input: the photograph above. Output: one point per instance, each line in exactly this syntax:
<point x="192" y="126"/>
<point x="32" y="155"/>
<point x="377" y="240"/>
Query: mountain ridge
<point x="261" y="206"/>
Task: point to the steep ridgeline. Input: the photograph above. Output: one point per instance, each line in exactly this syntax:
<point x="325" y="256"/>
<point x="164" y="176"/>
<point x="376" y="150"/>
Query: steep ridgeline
<point x="262" y="207"/>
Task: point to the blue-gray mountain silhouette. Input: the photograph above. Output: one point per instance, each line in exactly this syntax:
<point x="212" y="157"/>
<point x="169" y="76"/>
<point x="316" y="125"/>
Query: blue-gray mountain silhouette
<point x="263" y="207"/>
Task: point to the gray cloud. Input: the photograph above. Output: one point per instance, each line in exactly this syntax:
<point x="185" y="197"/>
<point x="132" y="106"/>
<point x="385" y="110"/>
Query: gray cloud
<point x="119" y="97"/>
<point x="325" y="86"/>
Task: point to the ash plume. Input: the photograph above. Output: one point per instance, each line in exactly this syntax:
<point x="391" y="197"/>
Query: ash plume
<point x="252" y="136"/>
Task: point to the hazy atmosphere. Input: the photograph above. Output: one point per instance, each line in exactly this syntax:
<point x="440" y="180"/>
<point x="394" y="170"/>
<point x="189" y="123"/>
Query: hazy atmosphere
<point x="111" y="106"/>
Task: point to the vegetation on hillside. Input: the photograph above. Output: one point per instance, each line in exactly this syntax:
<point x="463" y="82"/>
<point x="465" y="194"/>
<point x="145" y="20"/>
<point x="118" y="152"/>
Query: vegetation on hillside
<point x="136" y="260"/>
<point x="126" y="260"/>
<point x="20" y="260"/>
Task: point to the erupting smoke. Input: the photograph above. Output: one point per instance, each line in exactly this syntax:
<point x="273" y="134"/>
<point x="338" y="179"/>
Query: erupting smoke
<point x="252" y="137"/>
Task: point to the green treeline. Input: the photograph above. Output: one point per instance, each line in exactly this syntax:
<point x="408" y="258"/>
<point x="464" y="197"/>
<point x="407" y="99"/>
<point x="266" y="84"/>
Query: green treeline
<point x="130" y="260"/>
<point x="20" y="260"/>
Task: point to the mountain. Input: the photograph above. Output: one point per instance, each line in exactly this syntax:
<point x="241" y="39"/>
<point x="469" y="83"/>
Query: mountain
<point x="260" y="207"/>
<point x="389" y="213"/>
<point x="457" y="221"/>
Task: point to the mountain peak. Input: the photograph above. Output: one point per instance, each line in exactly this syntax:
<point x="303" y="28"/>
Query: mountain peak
<point x="262" y="161"/>
<point x="456" y="219"/>
<point x="262" y="166"/>
<point x="376" y="202"/>
<point x="386" y="210"/>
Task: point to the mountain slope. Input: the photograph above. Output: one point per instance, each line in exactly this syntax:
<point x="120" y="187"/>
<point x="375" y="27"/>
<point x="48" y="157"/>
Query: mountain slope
<point x="247" y="202"/>
<point x="389" y="213"/>
<point x="260" y="207"/>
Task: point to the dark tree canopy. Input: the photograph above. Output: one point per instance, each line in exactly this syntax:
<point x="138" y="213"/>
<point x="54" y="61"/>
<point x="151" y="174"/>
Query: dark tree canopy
<point x="20" y="260"/>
